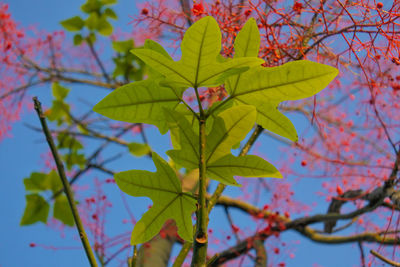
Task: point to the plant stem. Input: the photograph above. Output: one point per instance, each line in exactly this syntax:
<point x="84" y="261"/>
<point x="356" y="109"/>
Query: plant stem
<point x="134" y="257"/>
<point x="67" y="189"/>
<point x="182" y="254"/>
<point x="201" y="239"/>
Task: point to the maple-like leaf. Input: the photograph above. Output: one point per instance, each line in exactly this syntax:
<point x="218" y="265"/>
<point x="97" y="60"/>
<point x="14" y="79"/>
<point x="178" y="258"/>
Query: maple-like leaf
<point x="169" y="201"/>
<point x="198" y="66"/>
<point x="265" y="88"/>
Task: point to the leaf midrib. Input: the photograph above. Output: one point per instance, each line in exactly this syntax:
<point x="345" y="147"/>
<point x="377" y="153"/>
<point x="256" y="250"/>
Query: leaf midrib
<point x="164" y="208"/>
<point x="148" y="187"/>
<point x="140" y="103"/>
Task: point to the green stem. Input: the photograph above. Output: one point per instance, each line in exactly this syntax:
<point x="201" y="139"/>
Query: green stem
<point x="182" y="254"/>
<point x="201" y="239"/>
<point x="67" y="189"/>
<point x="134" y="257"/>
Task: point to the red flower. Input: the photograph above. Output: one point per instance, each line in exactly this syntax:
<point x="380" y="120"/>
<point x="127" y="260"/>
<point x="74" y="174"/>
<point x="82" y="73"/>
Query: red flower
<point x="145" y="11"/>
<point x="339" y="190"/>
<point x="379" y="5"/>
<point x="198" y="9"/>
<point x="297" y="7"/>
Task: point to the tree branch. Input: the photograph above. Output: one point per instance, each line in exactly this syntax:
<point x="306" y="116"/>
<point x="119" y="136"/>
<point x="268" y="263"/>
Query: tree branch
<point x="64" y="180"/>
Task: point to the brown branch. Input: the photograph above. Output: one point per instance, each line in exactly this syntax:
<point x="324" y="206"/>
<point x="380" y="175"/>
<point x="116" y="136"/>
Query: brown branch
<point x="300" y="225"/>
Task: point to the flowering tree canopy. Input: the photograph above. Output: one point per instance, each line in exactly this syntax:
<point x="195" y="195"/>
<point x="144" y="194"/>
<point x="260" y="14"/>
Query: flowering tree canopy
<point x="222" y="78"/>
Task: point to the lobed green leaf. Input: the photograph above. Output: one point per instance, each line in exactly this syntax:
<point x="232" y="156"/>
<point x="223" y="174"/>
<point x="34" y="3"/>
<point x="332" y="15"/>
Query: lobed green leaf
<point x="169" y="202"/>
<point x="199" y="65"/>
<point x="62" y="211"/>
<point x="36" y="210"/>
<point x="139" y="102"/>
<point x="228" y="166"/>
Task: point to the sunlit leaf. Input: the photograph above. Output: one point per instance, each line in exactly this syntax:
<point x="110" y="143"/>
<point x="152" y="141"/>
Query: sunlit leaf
<point x="169" y="202"/>
<point x="270" y="118"/>
<point x="139" y="102"/>
<point x="198" y="65"/>
<point x="228" y="166"/>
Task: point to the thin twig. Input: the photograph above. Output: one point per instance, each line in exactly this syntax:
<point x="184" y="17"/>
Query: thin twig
<point x="96" y="56"/>
<point x="362" y="255"/>
<point x="67" y="189"/>
<point x="384" y="259"/>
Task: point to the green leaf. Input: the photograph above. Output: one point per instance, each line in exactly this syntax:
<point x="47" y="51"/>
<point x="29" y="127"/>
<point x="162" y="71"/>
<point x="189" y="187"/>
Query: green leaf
<point x="54" y="181"/>
<point x="265" y="88"/>
<point x="58" y="112"/>
<point x="139" y="102"/>
<point x="291" y="81"/>
<point x="91" y="38"/>
<point x="230" y="127"/>
<point x="68" y="141"/>
<point x="109" y="2"/>
<point x="198" y="65"/>
<point x="104" y="27"/>
<point x="169" y="202"/>
<point x="271" y="119"/>
<point x="59" y="92"/>
<point x="37" y="182"/>
<point x="62" y="211"/>
<point x="247" y="42"/>
<point x="71" y="159"/>
<point x="138" y="149"/>
<point x="228" y="166"/>
<point x="92" y="21"/>
<point x="78" y="39"/>
<point x="36" y="210"/>
<point x="182" y="131"/>
<point x="110" y="13"/>
<point x="91" y="6"/>
<point x="73" y="24"/>
<point x="153" y="45"/>
<point x="122" y="46"/>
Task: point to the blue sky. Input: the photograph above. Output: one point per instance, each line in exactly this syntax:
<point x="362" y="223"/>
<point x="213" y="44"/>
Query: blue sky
<point x="21" y="154"/>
